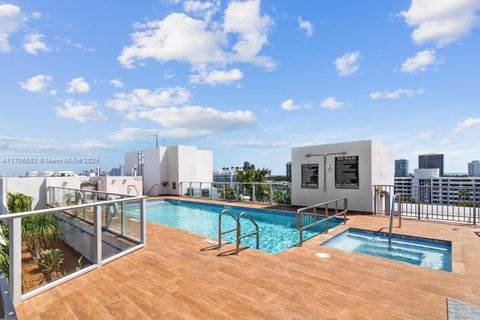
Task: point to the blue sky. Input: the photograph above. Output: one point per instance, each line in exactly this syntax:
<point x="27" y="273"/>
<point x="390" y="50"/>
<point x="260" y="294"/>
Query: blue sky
<point x="245" y="79"/>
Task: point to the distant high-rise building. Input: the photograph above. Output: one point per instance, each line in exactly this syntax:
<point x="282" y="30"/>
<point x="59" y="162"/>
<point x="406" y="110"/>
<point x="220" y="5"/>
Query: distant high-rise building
<point x="247" y="165"/>
<point x="288" y="171"/>
<point x="401" y="168"/>
<point x="116" y="171"/>
<point x="474" y="168"/>
<point x="431" y="161"/>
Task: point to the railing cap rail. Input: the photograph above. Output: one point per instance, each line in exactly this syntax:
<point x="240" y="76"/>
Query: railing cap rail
<point x="94" y="191"/>
<point x="7" y="216"/>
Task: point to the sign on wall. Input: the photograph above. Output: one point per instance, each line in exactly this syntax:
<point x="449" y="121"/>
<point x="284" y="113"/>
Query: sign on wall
<point x="310" y="176"/>
<point x="346" y="172"/>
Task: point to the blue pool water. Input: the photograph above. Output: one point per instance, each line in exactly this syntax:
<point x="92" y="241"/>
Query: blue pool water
<point x="277" y="228"/>
<point x="429" y="253"/>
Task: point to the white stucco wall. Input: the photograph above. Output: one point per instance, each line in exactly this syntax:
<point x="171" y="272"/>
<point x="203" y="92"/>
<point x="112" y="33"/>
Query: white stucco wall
<point x="130" y="162"/>
<point x="173" y="165"/>
<point x="36" y="187"/>
<point x="120" y="184"/>
<point x="376" y="164"/>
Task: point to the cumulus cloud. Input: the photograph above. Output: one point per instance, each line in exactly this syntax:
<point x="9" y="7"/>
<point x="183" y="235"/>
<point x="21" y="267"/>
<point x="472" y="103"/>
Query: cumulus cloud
<point x="306" y="26"/>
<point x="441" y="21"/>
<point x="34" y="42"/>
<point x="467" y="125"/>
<point x="428" y="134"/>
<point x="140" y="98"/>
<point x="290" y="105"/>
<point x="255" y="143"/>
<point x="78" y="85"/>
<point x="201" y="9"/>
<point x="395" y="94"/>
<point x="194" y="121"/>
<point x="11" y="19"/>
<point x="79" y="111"/>
<point x="200" y="42"/>
<point x="332" y="103"/>
<point x="37" y="83"/>
<point x="214" y="77"/>
<point x="347" y="64"/>
<point x="117" y="83"/>
<point x="420" y="62"/>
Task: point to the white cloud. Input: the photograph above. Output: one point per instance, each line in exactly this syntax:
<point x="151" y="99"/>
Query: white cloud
<point x="34" y="42"/>
<point x="214" y="77"/>
<point x="117" y="83"/>
<point x="428" y="134"/>
<point x="90" y="145"/>
<point x="37" y="83"/>
<point x="199" y="42"/>
<point x="78" y="85"/>
<point x="441" y="21"/>
<point x="446" y="141"/>
<point x="138" y="98"/>
<point x="290" y="105"/>
<point x="11" y="19"/>
<point x="348" y="63"/>
<point x="194" y="121"/>
<point x="36" y="15"/>
<point x="201" y="9"/>
<point x="306" y="26"/>
<point x="395" y="94"/>
<point x="420" y="62"/>
<point x="131" y="134"/>
<point x="79" y="111"/>
<point x="468" y="125"/>
<point x="331" y="103"/>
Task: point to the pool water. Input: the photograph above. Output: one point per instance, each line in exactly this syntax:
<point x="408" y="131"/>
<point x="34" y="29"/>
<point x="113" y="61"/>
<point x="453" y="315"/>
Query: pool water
<point x="428" y="253"/>
<point x="277" y="228"/>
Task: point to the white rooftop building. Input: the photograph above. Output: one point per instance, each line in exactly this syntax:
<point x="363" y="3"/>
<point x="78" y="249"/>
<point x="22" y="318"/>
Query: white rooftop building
<point x="164" y="168"/>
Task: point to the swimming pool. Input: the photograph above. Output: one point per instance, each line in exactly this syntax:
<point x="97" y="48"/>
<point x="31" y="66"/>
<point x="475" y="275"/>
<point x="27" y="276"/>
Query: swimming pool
<point x="428" y="253"/>
<point x="277" y="228"/>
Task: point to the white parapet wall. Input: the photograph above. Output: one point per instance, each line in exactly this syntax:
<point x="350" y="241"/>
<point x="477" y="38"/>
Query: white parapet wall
<point x="351" y="171"/>
<point x="120" y="184"/>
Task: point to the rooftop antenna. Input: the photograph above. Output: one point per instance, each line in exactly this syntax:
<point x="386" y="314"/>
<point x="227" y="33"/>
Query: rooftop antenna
<point x="156" y="139"/>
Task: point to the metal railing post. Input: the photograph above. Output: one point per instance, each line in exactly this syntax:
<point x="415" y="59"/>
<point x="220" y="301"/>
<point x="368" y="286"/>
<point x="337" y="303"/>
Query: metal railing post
<point x="123" y="220"/>
<point x="143" y="221"/>
<point x="254" y="197"/>
<point x="97" y="218"/>
<point x="271" y="194"/>
<point x="211" y="190"/>
<point x="223" y="193"/>
<point x="191" y="190"/>
<point x="15" y="259"/>
<point x="474" y="199"/>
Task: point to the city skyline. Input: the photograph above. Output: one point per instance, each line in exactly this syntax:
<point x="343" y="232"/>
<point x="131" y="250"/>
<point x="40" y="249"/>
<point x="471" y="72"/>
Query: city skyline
<point x="296" y="76"/>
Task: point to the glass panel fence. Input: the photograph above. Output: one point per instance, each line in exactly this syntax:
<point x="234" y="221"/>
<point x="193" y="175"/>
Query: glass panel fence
<point x="121" y="227"/>
<point x="54" y="246"/>
<point x="281" y="193"/>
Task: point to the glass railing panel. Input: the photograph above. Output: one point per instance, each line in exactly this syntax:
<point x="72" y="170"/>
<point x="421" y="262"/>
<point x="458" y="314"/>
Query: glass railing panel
<point x="281" y="193"/>
<point x="54" y="246"/>
<point x="120" y="227"/>
<point x="262" y="192"/>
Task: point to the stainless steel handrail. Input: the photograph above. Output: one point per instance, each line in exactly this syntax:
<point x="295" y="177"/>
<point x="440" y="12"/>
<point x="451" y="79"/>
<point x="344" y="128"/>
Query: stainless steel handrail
<point x="301" y="214"/>
<point x="392" y="214"/>
<point x="220" y="232"/>
<point x="255" y="233"/>
<point x="238" y="228"/>
<point x="93" y="191"/>
<point x="132" y="186"/>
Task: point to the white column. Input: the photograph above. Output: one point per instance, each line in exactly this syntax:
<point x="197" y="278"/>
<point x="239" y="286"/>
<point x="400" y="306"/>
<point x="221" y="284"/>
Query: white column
<point x="15" y="249"/>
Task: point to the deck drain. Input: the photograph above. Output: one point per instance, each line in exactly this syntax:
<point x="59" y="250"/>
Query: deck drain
<point x="322" y="255"/>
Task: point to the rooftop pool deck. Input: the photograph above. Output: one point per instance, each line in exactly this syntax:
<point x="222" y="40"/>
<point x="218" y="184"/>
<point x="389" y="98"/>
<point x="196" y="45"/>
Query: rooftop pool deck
<point x="176" y="276"/>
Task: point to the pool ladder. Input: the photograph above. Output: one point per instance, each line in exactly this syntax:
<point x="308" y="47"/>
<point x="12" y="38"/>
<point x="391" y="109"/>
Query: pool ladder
<point x="237" y="229"/>
<point x="392" y="214"/>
